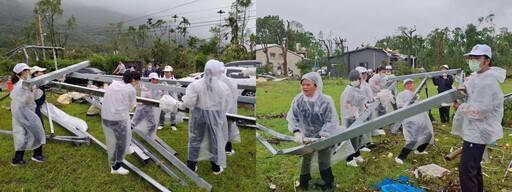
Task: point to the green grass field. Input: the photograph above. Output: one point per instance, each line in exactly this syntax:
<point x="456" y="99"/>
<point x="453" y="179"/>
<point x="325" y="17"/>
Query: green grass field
<point x="85" y="168"/>
<point x="274" y="99"/>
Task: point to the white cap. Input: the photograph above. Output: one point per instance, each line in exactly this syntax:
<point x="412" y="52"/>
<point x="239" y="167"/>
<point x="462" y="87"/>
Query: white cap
<point x="168" y="68"/>
<point x="153" y="76"/>
<point x="480" y="49"/>
<point x="444" y="66"/>
<point x="408" y="80"/>
<point x="37" y="68"/>
<point x="388" y="67"/>
<point x="361" y="70"/>
<point x="18" y="68"/>
<point x="370" y="70"/>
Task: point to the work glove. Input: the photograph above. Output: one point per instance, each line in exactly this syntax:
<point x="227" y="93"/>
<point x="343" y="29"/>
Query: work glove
<point x="297" y="137"/>
<point x="164" y="83"/>
<point x="180" y="105"/>
<point x="323" y="138"/>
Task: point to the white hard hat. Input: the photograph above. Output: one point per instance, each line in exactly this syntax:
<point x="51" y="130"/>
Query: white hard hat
<point x="18" y="68"/>
<point x="153" y="76"/>
<point x="168" y="68"/>
<point x="408" y="80"/>
<point x="37" y="68"/>
<point x="361" y="69"/>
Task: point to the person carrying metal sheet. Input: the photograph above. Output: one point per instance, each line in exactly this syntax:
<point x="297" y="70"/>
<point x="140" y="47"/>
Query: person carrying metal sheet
<point x="28" y="131"/>
<point x="418" y="130"/>
<point x="207" y="99"/>
<point x="480" y="116"/>
<point x="313" y="115"/>
<point x="367" y="137"/>
<point x="144" y="114"/>
<point x="233" y="132"/>
<point x="118" y="101"/>
<point x="353" y="102"/>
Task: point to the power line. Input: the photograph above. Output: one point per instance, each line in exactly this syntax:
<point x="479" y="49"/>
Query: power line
<point x="160" y="11"/>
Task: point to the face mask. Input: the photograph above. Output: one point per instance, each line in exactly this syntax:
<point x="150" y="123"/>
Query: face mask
<point x="388" y="73"/>
<point x="355" y="83"/>
<point x="474" y="65"/>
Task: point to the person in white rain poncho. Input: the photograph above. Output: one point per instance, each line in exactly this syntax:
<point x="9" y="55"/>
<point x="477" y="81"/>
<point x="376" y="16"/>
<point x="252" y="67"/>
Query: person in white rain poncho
<point x="353" y="102"/>
<point x="145" y="116"/>
<point x="367" y="137"/>
<point x="379" y="84"/>
<point x="478" y="120"/>
<point x="233" y="132"/>
<point x="418" y="131"/>
<point x="28" y="131"/>
<point x="313" y="115"/>
<point x="175" y="118"/>
<point x="118" y="101"/>
<point x="207" y="99"/>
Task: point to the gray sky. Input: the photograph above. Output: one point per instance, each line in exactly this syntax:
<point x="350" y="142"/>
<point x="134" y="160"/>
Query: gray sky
<point x="366" y="21"/>
<point x="202" y="14"/>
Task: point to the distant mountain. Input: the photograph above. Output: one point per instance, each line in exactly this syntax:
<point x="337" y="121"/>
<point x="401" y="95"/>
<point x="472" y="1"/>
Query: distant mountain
<point x="91" y="21"/>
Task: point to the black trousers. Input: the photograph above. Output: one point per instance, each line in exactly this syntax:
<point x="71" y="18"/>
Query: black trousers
<point x="18" y="155"/>
<point x="39" y="114"/>
<point x="324" y="165"/>
<point x="470" y="170"/>
<point x="444" y="112"/>
<point x="405" y="151"/>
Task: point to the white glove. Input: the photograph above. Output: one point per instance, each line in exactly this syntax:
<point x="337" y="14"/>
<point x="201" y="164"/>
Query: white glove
<point x="180" y="105"/>
<point x="164" y="83"/>
<point x="323" y="138"/>
<point x="297" y="137"/>
<point x="62" y="79"/>
<point x="178" y="84"/>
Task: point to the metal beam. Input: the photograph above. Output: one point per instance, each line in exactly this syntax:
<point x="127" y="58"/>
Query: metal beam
<point x="72" y="139"/>
<point x="173" y="82"/>
<point x="371" y="125"/>
<point x="266" y="144"/>
<point x="67" y="126"/>
<point x="159" y="162"/>
<point x="177" y="163"/>
<point x="41" y="80"/>
<point x="423" y="75"/>
<point x="132" y="167"/>
<point x="273" y="133"/>
<point x="109" y="79"/>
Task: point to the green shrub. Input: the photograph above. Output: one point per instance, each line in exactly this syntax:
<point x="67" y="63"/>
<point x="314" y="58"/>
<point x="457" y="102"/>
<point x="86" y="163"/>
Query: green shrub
<point x="507" y="114"/>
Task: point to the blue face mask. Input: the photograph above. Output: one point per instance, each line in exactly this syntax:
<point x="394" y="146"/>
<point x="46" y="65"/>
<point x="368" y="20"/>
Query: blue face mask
<point x="355" y="83"/>
<point x="474" y="65"/>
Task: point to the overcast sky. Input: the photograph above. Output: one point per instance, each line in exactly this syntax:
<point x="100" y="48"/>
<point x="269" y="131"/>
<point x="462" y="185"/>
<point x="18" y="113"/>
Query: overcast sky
<point x="202" y="14"/>
<point x="366" y="21"/>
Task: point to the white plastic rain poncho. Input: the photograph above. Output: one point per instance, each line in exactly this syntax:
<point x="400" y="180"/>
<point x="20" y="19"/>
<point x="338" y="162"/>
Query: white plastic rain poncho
<point x="233" y="132"/>
<point x="207" y="99"/>
<point x="28" y="132"/>
<point x="146" y="117"/>
<point x="417" y="129"/>
<point x="118" y="101"/>
<point x="352" y="104"/>
<point x="175" y="117"/>
<point x="367" y="137"/>
<point x="377" y="83"/>
<point x="479" y="119"/>
<point x="316" y="117"/>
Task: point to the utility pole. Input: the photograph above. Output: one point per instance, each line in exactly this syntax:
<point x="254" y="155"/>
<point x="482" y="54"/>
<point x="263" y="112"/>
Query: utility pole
<point x="41" y="33"/>
<point x="220" y="12"/>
